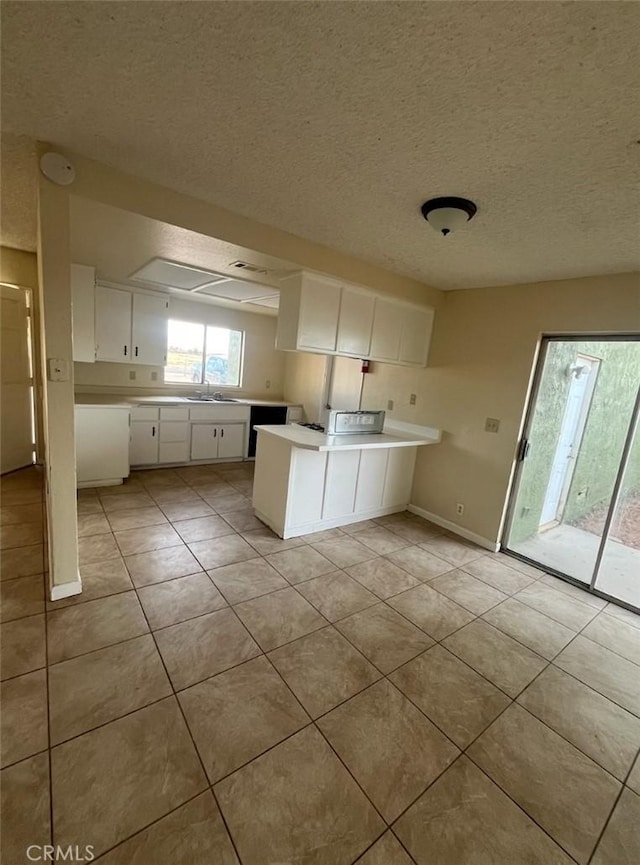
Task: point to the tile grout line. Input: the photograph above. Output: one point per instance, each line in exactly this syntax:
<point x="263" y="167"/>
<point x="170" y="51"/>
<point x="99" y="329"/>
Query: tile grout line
<point x="385" y="676"/>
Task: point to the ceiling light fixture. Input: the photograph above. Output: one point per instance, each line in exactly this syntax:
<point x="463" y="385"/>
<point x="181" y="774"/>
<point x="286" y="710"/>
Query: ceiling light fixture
<point x="448" y="213"/>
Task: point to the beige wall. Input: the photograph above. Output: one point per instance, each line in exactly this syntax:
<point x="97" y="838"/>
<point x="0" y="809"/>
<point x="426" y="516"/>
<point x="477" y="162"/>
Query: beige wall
<point x="481" y="361"/>
<point x="262" y="362"/>
<point x="18" y="267"/>
<point x="304" y="381"/>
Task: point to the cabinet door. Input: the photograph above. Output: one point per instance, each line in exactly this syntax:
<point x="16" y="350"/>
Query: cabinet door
<point x="83" y="295"/>
<point x="113" y="324"/>
<point x="387" y="330"/>
<point x="371" y="475"/>
<point x="102" y="443"/>
<point x="416" y="335"/>
<point x="399" y="479"/>
<point x="355" y="322"/>
<point x="173" y="452"/>
<point x="143" y="447"/>
<point x="149" y="329"/>
<point x="204" y="441"/>
<point x="231" y="440"/>
<point x="319" y="309"/>
<point x="340" y="484"/>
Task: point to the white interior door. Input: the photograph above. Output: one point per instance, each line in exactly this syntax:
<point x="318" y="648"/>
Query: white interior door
<point x="573" y="420"/>
<point x="16" y="400"/>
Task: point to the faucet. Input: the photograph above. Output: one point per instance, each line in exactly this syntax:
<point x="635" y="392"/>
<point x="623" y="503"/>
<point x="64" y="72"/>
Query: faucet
<point x="208" y="384"/>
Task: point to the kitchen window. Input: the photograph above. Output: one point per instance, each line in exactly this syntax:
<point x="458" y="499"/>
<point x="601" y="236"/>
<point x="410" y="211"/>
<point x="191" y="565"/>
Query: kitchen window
<point x="201" y="353"/>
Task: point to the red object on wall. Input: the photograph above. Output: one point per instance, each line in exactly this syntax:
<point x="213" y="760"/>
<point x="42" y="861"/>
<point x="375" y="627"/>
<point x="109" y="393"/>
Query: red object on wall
<point x="365" y="366"/>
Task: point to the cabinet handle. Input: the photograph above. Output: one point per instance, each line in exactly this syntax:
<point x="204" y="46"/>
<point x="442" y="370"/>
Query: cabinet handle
<point x="125" y="351"/>
<point x="215" y="432"/>
<point x="153" y="431"/>
<point x="221" y="433"/>
<point x="136" y="351"/>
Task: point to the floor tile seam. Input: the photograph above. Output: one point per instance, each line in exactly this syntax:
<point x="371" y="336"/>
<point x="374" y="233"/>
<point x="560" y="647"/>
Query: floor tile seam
<point x="518" y="640"/>
<point x="319" y="611"/>
<point x="515" y="701"/>
<point x="521" y="808"/>
<point x="609" y="649"/>
<point x="190" y="734"/>
<point x="10" y="580"/>
<point x="48" y="721"/>
<point x="84" y="654"/>
<point x="531" y="606"/>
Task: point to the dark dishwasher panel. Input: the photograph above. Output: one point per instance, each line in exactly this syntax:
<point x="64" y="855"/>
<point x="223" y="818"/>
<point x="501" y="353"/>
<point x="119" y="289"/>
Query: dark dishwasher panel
<point x="264" y="414"/>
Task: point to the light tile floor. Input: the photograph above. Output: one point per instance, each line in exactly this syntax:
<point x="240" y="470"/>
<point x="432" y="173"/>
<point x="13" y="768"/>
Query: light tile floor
<point x="383" y="694"/>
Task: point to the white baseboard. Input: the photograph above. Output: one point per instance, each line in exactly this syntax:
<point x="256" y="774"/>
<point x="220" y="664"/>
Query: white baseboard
<point x="455" y="528"/>
<point x="66" y="590"/>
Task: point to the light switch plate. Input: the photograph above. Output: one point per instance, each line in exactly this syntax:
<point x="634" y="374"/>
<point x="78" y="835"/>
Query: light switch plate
<point x="412" y="399"/>
<point x="58" y="369"/>
<point x="492" y="425"/>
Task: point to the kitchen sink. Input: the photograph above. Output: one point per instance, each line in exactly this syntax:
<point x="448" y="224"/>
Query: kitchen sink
<point x="212" y="399"/>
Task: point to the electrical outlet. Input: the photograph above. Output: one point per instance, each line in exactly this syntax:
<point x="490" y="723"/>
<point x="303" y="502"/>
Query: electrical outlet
<point x="460" y="509"/>
<point x="132" y="375"/>
<point x="267" y="384"/>
<point x="154" y="376"/>
<point x="412" y="399"/>
<point x="390" y="405"/>
<point x="492" y="425"/>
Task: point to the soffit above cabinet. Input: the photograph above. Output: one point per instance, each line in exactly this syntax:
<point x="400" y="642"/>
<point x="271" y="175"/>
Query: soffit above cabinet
<point x="175" y="276"/>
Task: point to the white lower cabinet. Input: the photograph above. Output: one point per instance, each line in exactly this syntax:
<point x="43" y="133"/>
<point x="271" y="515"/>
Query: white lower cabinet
<point x="143" y="447"/>
<point x="174" y="442"/>
<point x="231" y="440"/>
<point x="102" y="439"/>
<point x="217" y="441"/>
<point x="340" y="482"/>
<point x="298" y="491"/>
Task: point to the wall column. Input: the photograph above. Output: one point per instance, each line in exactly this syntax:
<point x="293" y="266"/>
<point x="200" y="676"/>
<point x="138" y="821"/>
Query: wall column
<point x="54" y="278"/>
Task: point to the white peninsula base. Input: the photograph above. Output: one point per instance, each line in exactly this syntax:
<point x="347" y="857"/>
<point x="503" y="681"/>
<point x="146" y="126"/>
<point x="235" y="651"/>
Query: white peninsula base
<point x="306" y="481"/>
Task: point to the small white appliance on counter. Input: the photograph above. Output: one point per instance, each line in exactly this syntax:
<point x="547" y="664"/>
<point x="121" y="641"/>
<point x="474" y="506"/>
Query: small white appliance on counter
<point x="354" y="422"/>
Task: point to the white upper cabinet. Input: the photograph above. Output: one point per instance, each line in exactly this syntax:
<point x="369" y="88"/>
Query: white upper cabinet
<point x="416" y="336"/>
<point x="387" y="330"/>
<point x="130" y="328"/>
<point x="83" y="295"/>
<point x="149" y="329"/>
<point x="320" y="314"/>
<point x="113" y="324"/>
<point x="355" y="322"/>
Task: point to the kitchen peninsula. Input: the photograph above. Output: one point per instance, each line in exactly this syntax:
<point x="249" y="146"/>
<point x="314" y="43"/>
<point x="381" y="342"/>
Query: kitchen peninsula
<point x="306" y="481"/>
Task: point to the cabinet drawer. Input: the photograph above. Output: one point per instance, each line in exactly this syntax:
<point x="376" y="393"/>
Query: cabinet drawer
<point x="178" y="413"/>
<point x="219" y="414"/>
<point x="174" y="431"/>
<point x="143" y="412"/>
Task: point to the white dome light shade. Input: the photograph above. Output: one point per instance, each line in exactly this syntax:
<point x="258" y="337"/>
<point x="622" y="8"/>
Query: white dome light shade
<point x="448" y="214"/>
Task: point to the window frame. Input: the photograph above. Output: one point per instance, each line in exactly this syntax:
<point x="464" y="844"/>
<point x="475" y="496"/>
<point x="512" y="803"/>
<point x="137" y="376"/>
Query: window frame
<point x="206" y="325"/>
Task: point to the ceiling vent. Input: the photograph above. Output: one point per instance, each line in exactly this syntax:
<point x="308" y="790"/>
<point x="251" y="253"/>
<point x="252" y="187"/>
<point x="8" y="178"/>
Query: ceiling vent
<point x="248" y="268"/>
<point x="174" y="274"/>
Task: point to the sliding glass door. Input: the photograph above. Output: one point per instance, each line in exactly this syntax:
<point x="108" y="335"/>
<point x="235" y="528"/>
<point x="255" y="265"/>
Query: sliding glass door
<point x="575" y="507"/>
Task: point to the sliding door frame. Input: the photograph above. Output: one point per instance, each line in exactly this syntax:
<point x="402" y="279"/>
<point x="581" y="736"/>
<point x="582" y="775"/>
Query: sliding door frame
<point x="521" y="455"/>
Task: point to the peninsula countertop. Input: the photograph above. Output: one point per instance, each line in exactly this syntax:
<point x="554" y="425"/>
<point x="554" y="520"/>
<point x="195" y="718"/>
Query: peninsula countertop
<point x="393" y="436"/>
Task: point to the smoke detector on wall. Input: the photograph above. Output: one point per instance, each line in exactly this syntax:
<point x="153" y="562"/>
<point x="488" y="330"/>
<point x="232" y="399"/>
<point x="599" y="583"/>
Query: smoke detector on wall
<point x="448" y="213"/>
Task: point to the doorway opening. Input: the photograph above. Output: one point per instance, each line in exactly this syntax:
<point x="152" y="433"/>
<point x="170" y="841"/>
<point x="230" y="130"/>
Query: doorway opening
<point x="575" y="505"/>
<point x="17" y="397"/>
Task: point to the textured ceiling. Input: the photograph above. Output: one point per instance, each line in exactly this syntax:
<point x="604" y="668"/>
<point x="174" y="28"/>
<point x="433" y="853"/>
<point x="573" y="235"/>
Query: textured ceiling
<point x="334" y="121"/>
